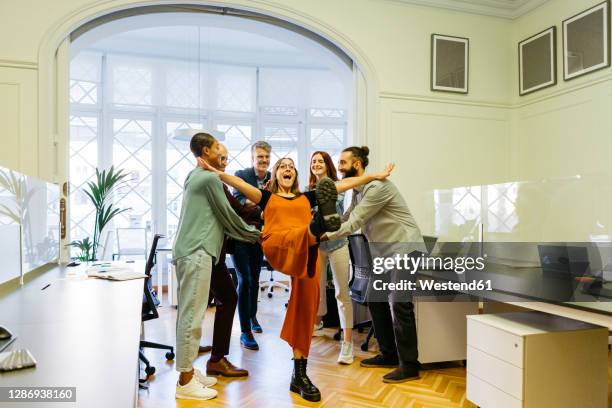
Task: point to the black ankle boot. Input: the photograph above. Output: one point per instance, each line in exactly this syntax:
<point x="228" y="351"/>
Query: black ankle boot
<point x="317" y="225"/>
<point x="326" y="200"/>
<point x="301" y="384"/>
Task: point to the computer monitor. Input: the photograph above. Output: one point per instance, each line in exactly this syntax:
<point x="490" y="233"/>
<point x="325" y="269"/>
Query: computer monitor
<point x="563" y="260"/>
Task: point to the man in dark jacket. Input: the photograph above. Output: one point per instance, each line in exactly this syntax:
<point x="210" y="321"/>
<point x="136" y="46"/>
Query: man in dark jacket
<point x="223" y="290"/>
<point x="248" y="258"/>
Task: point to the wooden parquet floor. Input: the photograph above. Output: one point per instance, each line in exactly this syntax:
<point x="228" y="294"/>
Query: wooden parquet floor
<point x="440" y="385"/>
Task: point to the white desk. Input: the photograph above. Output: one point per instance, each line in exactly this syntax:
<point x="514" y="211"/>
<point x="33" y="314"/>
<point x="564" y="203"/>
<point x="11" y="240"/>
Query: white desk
<point x="83" y="333"/>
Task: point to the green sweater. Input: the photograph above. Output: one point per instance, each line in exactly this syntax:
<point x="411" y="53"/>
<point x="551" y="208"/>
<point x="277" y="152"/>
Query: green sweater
<point x="206" y="215"/>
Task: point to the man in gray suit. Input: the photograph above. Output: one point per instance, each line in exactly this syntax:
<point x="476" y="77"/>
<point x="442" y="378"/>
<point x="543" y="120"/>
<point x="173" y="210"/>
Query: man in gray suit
<point x="379" y="210"/>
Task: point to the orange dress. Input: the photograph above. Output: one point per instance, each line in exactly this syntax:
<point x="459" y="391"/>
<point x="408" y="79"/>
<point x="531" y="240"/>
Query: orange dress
<point x="285" y="244"/>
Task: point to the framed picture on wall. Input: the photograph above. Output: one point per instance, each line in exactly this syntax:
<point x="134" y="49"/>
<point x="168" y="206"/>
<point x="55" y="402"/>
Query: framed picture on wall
<point x="449" y="63"/>
<point x="586" y="41"/>
<point x="538" y="61"/>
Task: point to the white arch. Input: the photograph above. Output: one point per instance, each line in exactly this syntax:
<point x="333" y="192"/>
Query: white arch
<point x="50" y="110"/>
<point x="186" y="18"/>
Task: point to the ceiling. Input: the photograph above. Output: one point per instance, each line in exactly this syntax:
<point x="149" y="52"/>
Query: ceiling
<point x="509" y="9"/>
<point x="207" y="37"/>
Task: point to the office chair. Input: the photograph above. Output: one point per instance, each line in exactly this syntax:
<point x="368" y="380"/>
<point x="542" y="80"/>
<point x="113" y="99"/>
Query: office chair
<point x="361" y="261"/>
<point x="149" y="311"/>
<point x="361" y="264"/>
<point x="271" y="284"/>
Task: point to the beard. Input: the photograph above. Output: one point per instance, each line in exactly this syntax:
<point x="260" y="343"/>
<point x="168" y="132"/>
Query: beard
<point x="352" y="172"/>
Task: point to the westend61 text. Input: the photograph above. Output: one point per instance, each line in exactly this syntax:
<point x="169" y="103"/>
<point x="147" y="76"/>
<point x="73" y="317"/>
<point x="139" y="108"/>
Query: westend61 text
<point x="431" y="284"/>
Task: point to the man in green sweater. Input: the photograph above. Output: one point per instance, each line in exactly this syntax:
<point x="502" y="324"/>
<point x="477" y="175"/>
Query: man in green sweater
<point x="205" y="216"/>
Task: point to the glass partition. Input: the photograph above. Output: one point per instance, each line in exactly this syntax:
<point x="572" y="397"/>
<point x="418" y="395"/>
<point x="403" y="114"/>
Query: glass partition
<point x="29" y="223"/>
<point x="10" y="224"/>
<point x="572" y="209"/>
<point x="559" y="229"/>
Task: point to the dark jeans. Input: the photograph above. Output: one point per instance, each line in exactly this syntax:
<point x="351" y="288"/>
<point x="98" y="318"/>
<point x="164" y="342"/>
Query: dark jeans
<point x="395" y="329"/>
<point x="223" y="290"/>
<point x="247" y="261"/>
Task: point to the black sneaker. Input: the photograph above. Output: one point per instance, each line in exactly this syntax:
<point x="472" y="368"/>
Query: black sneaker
<point x="400" y="375"/>
<point x="326" y="200"/>
<point x="380" y="361"/>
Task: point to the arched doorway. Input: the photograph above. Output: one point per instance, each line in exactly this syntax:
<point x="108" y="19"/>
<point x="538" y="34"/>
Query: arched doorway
<point x="362" y="124"/>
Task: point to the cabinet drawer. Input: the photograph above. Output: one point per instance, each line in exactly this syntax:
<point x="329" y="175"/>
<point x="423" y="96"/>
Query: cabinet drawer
<point x="485" y="395"/>
<point x="499" y="373"/>
<point x="495" y="342"/>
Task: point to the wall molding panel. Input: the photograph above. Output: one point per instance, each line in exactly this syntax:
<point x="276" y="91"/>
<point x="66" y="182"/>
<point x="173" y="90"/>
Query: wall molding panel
<point x="18" y="64"/>
<point x="18" y="113"/>
<point x="10" y="118"/>
<point x="451" y="101"/>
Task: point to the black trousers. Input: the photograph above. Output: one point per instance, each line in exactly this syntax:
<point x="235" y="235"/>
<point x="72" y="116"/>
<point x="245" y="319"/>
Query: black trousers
<point x="395" y="329"/>
<point x="223" y="290"/>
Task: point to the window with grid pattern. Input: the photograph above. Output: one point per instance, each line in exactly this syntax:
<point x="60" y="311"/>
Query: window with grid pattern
<point x="125" y="112"/>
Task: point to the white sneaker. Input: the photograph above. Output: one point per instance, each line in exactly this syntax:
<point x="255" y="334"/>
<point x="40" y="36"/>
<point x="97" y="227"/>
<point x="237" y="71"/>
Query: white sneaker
<point x="203" y="379"/>
<point x="194" y="390"/>
<point x="317" y="331"/>
<point x="346" y="353"/>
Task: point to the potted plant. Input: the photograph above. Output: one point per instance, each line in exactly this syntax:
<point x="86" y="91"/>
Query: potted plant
<point x="100" y="193"/>
<point x="84" y="245"/>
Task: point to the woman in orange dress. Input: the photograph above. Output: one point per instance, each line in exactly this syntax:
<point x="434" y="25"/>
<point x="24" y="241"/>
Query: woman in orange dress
<point x="290" y="243"/>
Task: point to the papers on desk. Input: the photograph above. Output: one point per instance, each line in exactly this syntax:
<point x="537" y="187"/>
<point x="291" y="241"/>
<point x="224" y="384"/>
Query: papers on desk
<point x="116" y="273"/>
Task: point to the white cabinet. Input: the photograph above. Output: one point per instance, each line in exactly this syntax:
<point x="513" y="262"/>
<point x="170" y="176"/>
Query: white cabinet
<point x="534" y="359"/>
<point x="441" y="329"/>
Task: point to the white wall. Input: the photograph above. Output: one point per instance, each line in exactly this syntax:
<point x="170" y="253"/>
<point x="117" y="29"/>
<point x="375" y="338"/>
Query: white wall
<point x="438" y="140"/>
<point x="459" y="139"/>
<point x="561" y="132"/>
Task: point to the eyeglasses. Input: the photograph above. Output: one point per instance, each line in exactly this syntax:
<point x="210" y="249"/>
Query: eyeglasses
<point x="286" y="166"/>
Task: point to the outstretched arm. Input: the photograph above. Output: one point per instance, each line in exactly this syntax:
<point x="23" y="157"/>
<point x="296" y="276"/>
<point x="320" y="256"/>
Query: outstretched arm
<point x="250" y="192"/>
<point x="352" y="182"/>
<point x="375" y="197"/>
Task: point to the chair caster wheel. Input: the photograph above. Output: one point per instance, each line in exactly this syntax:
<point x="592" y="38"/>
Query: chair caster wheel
<point x="150" y="371"/>
<point x="269" y="295"/>
<point x="364" y="347"/>
<point x="169" y="356"/>
<point x="337" y="336"/>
